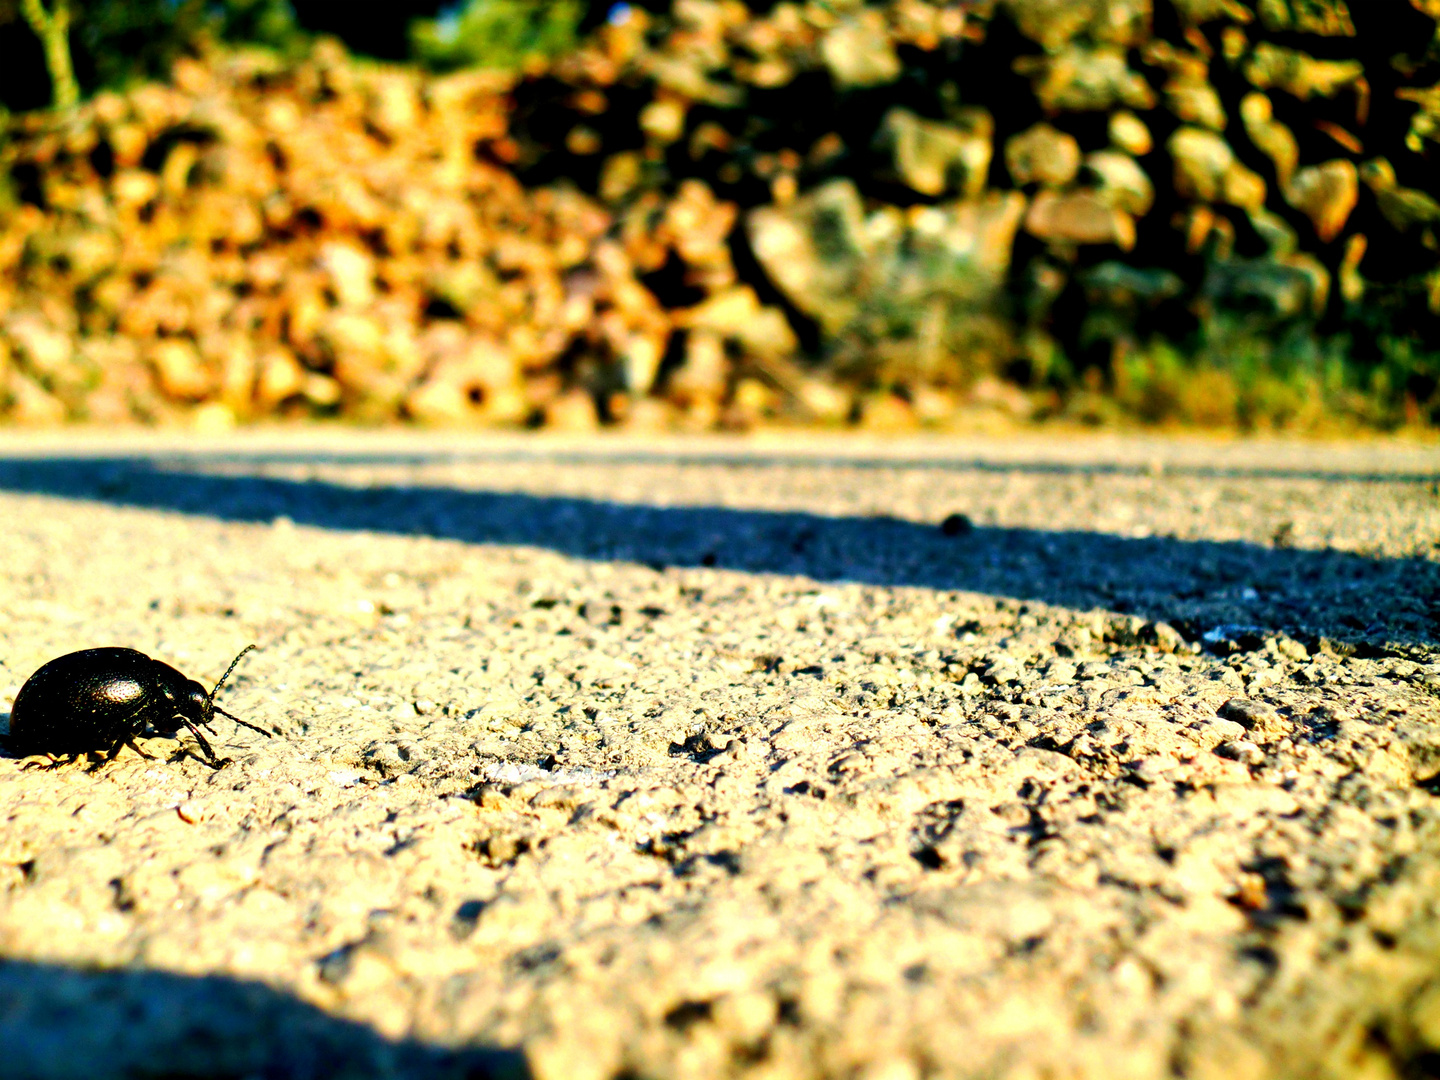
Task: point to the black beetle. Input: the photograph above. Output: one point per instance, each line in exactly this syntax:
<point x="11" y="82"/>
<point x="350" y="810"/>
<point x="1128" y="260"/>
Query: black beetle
<point x="98" y="700"/>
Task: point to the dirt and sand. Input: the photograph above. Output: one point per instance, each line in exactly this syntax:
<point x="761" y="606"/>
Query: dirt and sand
<point x="603" y="759"/>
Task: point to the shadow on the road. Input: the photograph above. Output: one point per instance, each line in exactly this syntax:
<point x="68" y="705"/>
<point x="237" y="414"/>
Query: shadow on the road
<point x="1193" y="584"/>
<point x="59" y="1022"/>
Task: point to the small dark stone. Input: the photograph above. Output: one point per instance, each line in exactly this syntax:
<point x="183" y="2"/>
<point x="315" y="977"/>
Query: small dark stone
<point x="470" y="910"/>
<point x="928" y="857"/>
<point x="1227" y="639"/>
<point x="804" y="787"/>
<point x="1241" y="750"/>
<point x="699" y="747"/>
<point x="465" y="918"/>
<point x="1163" y="636"/>
<point x="687" y="1014"/>
<point x="334" y="966"/>
<point x="957" y="525"/>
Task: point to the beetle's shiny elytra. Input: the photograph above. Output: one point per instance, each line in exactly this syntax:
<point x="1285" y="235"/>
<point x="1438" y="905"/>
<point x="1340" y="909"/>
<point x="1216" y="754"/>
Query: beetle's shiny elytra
<point x="99" y="700"/>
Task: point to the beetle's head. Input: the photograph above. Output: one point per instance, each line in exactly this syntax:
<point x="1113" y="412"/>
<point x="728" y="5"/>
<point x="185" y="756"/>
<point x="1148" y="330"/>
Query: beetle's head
<point x="195" y="702"/>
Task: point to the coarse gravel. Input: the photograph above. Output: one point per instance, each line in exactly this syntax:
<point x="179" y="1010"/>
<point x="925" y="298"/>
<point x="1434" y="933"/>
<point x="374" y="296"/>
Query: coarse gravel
<point x="788" y="756"/>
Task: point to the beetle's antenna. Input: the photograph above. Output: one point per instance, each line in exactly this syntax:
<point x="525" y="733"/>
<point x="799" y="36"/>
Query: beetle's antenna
<point x="228" y="670"/>
<point x="242" y="723"/>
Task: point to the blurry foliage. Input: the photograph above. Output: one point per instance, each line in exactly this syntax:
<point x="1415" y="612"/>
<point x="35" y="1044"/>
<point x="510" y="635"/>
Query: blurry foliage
<point x="378" y="30"/>
<point x="125" y="41"/>
<point x="497" y="33"/>
<point x="262" y="22"/>
<point x="117" y="42"/>
<point x="52" y="26"/>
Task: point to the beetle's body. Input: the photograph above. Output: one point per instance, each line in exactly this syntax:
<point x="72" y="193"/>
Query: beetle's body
<point x="98" y="700"/>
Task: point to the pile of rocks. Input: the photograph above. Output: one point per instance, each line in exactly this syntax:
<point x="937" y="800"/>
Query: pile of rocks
<point x="712" y="215"/>
<point x="940" y="191"/>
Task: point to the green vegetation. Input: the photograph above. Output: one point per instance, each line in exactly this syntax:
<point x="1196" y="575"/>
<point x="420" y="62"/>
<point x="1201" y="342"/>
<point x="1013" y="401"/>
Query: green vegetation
<point x="505" y="34"/>
<point x="53" y="29"/>
<point x="90" y="45"/>
<point x="113" y="43"/>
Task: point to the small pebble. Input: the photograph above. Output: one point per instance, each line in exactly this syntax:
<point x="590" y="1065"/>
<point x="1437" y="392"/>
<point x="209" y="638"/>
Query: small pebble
<point x="1151" y="769"/>
<point x="1250" y="891"/>
<point x="1166" y="637"/>
<point x="1291" y="649"/>
<point x="1241" y="750"/>
<point x="1260" y="719"/>
<point x="1060" y="672"/>
<point x="957" y="525"/>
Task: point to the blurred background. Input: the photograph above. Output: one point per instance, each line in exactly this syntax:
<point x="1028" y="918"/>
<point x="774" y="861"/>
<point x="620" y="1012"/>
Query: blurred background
<point x="708" y="214"/>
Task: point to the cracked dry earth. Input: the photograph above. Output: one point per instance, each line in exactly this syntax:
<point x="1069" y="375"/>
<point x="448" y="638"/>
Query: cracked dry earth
<point x="600" y="759"/>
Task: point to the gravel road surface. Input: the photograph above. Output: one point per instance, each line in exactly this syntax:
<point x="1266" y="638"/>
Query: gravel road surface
<point x="786" y="758"/>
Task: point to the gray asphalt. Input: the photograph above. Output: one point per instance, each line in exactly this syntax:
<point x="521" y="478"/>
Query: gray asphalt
<point x="795" y="756"/>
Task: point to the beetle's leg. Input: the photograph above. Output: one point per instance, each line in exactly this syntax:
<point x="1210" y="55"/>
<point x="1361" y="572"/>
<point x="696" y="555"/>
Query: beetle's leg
<point x="244" y="723"/>
<point x="52" y="762"/>
<point x="97" y="759"/>
<point x="213" y="761"/>
<point x="130" y="742"/>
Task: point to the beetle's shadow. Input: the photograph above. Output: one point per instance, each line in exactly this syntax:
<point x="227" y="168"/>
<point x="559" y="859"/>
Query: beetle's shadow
<point x="58" y="1021"/>
<point x="1193" y="584"/>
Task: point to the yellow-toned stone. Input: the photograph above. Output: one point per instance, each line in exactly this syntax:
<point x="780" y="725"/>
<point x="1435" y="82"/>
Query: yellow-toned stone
<point x="1079" y="217"/>
<point x="858" y="51"/>
<point x="1326" y="194"/>
<point x="573" y="411"/>
<point x="179" y="369"/>
<point x="1042" y="155"/>
<point x="281" y="377"/>
<point x="1123" y="183"/>
<point x="32" y="405"/>
<point x="664" y="119"/>
<point x="1269" y="135"/>
<point x="1129" y="133"/>
<point x="931" y="156"/>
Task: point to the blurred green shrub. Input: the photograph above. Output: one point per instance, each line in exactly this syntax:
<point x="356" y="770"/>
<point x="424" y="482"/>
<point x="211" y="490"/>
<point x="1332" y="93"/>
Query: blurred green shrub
<point x="502" y="34"/>
<point x="126" y="40"/>
<point x="112" y="43"/>
<point x="52" y="26"/>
